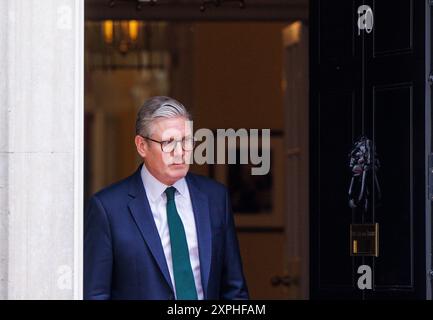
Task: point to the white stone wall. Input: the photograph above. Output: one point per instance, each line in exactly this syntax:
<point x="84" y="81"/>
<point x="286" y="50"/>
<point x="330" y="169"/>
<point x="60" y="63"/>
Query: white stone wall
<point x="41" y="132"/>
<point x="3" y="148"/>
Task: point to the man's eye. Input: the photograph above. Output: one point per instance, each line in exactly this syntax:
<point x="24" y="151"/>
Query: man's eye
<point x="168" y="142"/>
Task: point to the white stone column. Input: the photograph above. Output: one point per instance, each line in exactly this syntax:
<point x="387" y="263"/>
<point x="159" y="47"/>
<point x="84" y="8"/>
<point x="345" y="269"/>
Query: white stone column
<point x="3" y="148"/>
<point x="41" y="148"/>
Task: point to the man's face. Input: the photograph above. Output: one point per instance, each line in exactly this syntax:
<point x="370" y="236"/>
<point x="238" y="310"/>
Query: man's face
<point x="167" y="167"/>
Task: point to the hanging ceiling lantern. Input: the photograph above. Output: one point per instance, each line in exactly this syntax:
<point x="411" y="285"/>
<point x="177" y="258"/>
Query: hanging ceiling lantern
<point x="133" y="30"/>
<point x="108" y="31"/>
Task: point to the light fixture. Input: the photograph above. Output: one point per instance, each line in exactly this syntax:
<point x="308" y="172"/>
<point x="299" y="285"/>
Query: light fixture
<point x="133" y="26"/>
<point x="128" y="44"/>
<point x="108" y="31"/>
<point x="122" y="35"/>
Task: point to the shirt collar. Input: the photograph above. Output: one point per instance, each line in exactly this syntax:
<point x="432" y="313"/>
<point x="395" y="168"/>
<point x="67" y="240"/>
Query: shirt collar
<point x="155" y="188"/>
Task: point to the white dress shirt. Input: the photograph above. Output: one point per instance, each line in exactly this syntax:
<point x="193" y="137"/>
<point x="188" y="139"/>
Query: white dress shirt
<point x="155" y="191"/>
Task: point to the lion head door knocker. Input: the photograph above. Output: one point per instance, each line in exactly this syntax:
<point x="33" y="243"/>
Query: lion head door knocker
<point x="363" y="160"/>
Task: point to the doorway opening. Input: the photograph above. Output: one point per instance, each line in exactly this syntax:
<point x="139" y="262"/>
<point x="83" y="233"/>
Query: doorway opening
<point x="245" y="73"/>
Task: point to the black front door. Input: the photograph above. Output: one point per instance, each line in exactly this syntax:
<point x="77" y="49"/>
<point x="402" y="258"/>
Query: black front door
<point x="370" y="80"/>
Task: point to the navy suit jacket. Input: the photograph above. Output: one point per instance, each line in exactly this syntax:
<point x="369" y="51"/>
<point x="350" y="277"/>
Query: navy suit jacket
<point x="123" y="254"/>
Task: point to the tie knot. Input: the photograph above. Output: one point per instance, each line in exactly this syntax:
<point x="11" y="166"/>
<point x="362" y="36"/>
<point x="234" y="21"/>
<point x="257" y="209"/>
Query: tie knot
<point x="170" y="193"/>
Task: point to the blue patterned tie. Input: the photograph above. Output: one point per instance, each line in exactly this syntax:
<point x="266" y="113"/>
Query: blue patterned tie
<point x="182" y="270"/>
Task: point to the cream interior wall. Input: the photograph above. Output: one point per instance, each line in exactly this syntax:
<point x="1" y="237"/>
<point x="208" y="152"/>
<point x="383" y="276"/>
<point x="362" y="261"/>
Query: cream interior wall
<point x="238" y="75"/>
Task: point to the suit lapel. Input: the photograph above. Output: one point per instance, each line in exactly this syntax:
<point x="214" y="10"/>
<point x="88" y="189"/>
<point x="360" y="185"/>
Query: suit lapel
<point x="200" y="205"/>
<point x="143" y="217"/>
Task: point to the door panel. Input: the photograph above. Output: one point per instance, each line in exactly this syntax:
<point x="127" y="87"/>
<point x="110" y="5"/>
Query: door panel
<point x="395" y="80"/>
<point x="336" y="41"/>
<point x="333" y="134"/>
<point x="334" y="124"/>
<point x="394" y="34"/>
<point x="394" y="212"/>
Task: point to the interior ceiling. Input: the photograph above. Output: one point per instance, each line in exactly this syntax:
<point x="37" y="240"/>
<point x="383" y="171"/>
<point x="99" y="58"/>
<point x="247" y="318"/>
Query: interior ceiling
<point x="266" y="10"/>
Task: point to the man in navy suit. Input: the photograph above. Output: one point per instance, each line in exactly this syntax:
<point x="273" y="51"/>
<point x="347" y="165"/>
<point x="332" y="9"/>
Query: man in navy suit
<point x="162" y="233"/>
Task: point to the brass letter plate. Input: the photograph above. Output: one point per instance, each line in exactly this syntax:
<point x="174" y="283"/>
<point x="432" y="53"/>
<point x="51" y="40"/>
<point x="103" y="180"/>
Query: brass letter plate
<point x="364" y="240"/>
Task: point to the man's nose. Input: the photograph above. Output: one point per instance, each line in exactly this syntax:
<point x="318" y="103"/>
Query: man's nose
<point x="178" y="150"/>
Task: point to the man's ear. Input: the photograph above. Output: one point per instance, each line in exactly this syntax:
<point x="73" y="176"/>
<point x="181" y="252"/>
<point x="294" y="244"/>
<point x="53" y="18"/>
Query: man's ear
<point x="141" y="146"/>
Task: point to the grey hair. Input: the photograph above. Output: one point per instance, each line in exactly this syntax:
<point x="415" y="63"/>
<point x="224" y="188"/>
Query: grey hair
<point x="158" y="107"/>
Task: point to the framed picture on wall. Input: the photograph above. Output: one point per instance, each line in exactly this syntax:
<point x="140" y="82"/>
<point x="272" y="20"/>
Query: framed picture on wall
<point x="257" y="200"/>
